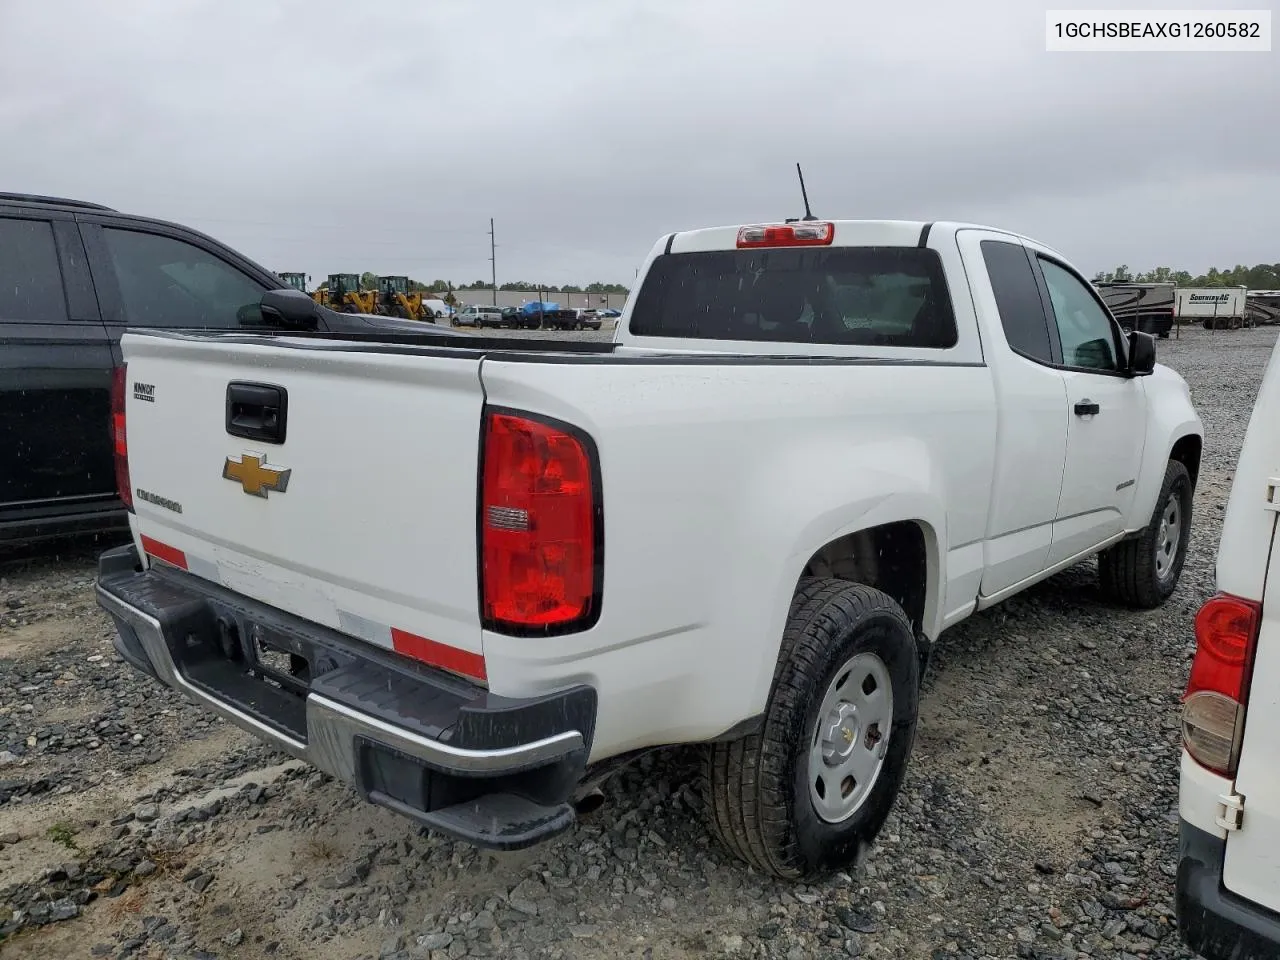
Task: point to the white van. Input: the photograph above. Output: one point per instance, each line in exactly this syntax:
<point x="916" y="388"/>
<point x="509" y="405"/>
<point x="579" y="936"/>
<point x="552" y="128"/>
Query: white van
<point x="1228" y="900"/>
<point x="436" y="308"/>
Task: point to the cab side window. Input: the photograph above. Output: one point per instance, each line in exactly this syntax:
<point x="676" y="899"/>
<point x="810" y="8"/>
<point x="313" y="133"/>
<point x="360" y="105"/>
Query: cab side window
<point x="1018" y="299"/>
<point x="1085" y="330"/>
<point x="170" y="283"/>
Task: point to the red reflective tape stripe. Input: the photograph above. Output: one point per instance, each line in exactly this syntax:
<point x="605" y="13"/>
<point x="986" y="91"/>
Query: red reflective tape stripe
<point x="164" y="552"/>
<point x="438" y="654"/>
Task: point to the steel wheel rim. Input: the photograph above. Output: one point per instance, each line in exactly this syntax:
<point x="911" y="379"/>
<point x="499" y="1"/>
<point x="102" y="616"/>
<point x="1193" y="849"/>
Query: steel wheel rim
<point x="850" y="738"/>
<point x="1169" y="536"/>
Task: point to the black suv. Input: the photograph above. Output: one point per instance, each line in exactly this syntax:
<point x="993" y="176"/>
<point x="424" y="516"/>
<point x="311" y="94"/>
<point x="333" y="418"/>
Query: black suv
<point x="73" y="277"/>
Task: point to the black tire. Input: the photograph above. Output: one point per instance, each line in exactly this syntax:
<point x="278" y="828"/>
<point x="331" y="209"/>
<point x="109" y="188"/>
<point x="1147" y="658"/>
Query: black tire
<point x="756" y="788"/>
<point x="1129" y="572"/>
<point x="350" y="308"/>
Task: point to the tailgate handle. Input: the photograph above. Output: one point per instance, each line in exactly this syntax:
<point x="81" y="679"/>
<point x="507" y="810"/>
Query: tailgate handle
<point x="257" y="411"/>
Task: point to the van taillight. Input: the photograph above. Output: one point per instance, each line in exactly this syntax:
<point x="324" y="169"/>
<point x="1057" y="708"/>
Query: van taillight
<point x="119" y="439"/>
<point x="541" y="541"/>
<point x="1213" y="708"/>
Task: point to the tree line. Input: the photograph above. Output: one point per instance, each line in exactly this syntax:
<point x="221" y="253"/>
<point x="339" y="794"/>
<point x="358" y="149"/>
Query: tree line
<point x="1264" y="276"/>
<point x="369" y="281"/>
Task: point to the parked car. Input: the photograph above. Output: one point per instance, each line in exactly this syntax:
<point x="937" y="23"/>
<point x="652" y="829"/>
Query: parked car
<point x="1228" y="884"/>
<point x="516" y="318"/>
<point x="549" y="315"/>
<point x="478" y="315"/>
<point x="73" y="276"/>
<point x="587" y="319"/>
<point x="580" y="553"/>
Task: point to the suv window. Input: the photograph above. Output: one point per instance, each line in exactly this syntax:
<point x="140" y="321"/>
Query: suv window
<point x="30" y="279"/>
<point x="1084" y="327"/>
<point x="1018" y="299"/>
<point x="856" y="296"/>
<point x="170" y="283"/>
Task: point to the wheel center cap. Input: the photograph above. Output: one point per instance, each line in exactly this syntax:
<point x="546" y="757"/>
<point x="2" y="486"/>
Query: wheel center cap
<point x="841" y="733"/>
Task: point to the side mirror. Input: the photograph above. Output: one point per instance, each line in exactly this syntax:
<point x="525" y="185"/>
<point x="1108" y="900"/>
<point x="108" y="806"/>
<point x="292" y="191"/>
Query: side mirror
<point x="289" y="308"/>
<point x="1142" y="354"/>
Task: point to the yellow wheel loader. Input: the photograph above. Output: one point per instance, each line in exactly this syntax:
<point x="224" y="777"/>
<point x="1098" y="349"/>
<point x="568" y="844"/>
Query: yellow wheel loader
<point x="344" y="294"/>
<point x="396" y="300"/>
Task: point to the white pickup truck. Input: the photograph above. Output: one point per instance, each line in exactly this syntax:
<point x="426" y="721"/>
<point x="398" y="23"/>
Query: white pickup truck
<point x="470" y="578"/>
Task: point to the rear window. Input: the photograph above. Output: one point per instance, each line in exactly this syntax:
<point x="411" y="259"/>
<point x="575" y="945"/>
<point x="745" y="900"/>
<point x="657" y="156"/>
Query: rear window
<point x="30" y="280"/>
<point x="854" y="296"/>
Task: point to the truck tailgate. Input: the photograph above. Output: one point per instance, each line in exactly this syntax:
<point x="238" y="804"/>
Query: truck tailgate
<point x="362" y="519"/>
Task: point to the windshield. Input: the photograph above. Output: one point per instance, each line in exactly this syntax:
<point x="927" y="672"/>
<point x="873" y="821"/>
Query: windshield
<point x="866" y="296"/>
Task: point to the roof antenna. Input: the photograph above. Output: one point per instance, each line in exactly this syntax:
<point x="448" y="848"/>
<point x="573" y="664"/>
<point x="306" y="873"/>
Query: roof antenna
<point x="808" y="214"/>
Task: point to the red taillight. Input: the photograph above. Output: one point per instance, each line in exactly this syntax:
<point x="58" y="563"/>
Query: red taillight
<point x="540" y="533"/>
<point x="1218" y="689"/>
<point x="119" y="438"/>
<point x="788" y="235"/>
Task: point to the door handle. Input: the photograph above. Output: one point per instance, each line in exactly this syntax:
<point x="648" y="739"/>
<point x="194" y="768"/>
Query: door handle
<point x="1086" y="408"/>
<point x="257" y="411"/>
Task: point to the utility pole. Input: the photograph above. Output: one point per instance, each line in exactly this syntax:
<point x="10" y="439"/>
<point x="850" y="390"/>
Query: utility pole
<point x="493" y="261"/>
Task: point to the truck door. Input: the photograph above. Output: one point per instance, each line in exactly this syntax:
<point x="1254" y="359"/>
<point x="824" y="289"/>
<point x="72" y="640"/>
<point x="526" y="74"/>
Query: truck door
<point x="1031" y="428"/>
<point x="1252" y="867"/>
<point x="1106" y="414"/>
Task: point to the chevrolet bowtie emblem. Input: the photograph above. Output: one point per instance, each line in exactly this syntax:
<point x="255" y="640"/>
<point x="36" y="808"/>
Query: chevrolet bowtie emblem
<point x="254" y="476"/>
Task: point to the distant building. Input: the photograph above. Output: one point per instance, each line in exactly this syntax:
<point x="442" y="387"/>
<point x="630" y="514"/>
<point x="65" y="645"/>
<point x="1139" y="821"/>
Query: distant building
<point x="516" y="298"/>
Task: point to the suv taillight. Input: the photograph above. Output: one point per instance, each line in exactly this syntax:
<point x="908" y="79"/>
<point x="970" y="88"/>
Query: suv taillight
<point x="119" y="439"/>
<point x="541" y="535"/>
<point x="1217" y="694"/>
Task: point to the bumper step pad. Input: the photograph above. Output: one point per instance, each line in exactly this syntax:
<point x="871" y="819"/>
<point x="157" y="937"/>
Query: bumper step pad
<point x="498" y="821"/>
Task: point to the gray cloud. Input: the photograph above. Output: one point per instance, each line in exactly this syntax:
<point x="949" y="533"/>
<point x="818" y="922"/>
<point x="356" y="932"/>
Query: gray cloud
<point x="329" y="136"/>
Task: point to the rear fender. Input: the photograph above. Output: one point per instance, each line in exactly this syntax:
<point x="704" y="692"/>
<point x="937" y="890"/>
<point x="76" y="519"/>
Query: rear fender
<point x="842" y="493"/>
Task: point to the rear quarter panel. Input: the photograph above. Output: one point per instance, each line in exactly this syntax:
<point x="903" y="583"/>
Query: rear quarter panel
<point x="720" y="480"/>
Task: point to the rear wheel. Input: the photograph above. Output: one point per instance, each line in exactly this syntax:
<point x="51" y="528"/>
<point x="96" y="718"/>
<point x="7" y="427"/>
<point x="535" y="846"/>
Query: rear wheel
<point x="812" y="789"/>
<point x="1144" y="571"/>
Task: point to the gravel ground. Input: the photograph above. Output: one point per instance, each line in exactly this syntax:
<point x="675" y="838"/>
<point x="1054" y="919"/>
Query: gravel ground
<point x="1038" y="820"/>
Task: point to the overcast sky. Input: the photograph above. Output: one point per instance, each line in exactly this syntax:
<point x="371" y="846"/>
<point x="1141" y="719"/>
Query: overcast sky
<point x="330" y="136"/>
